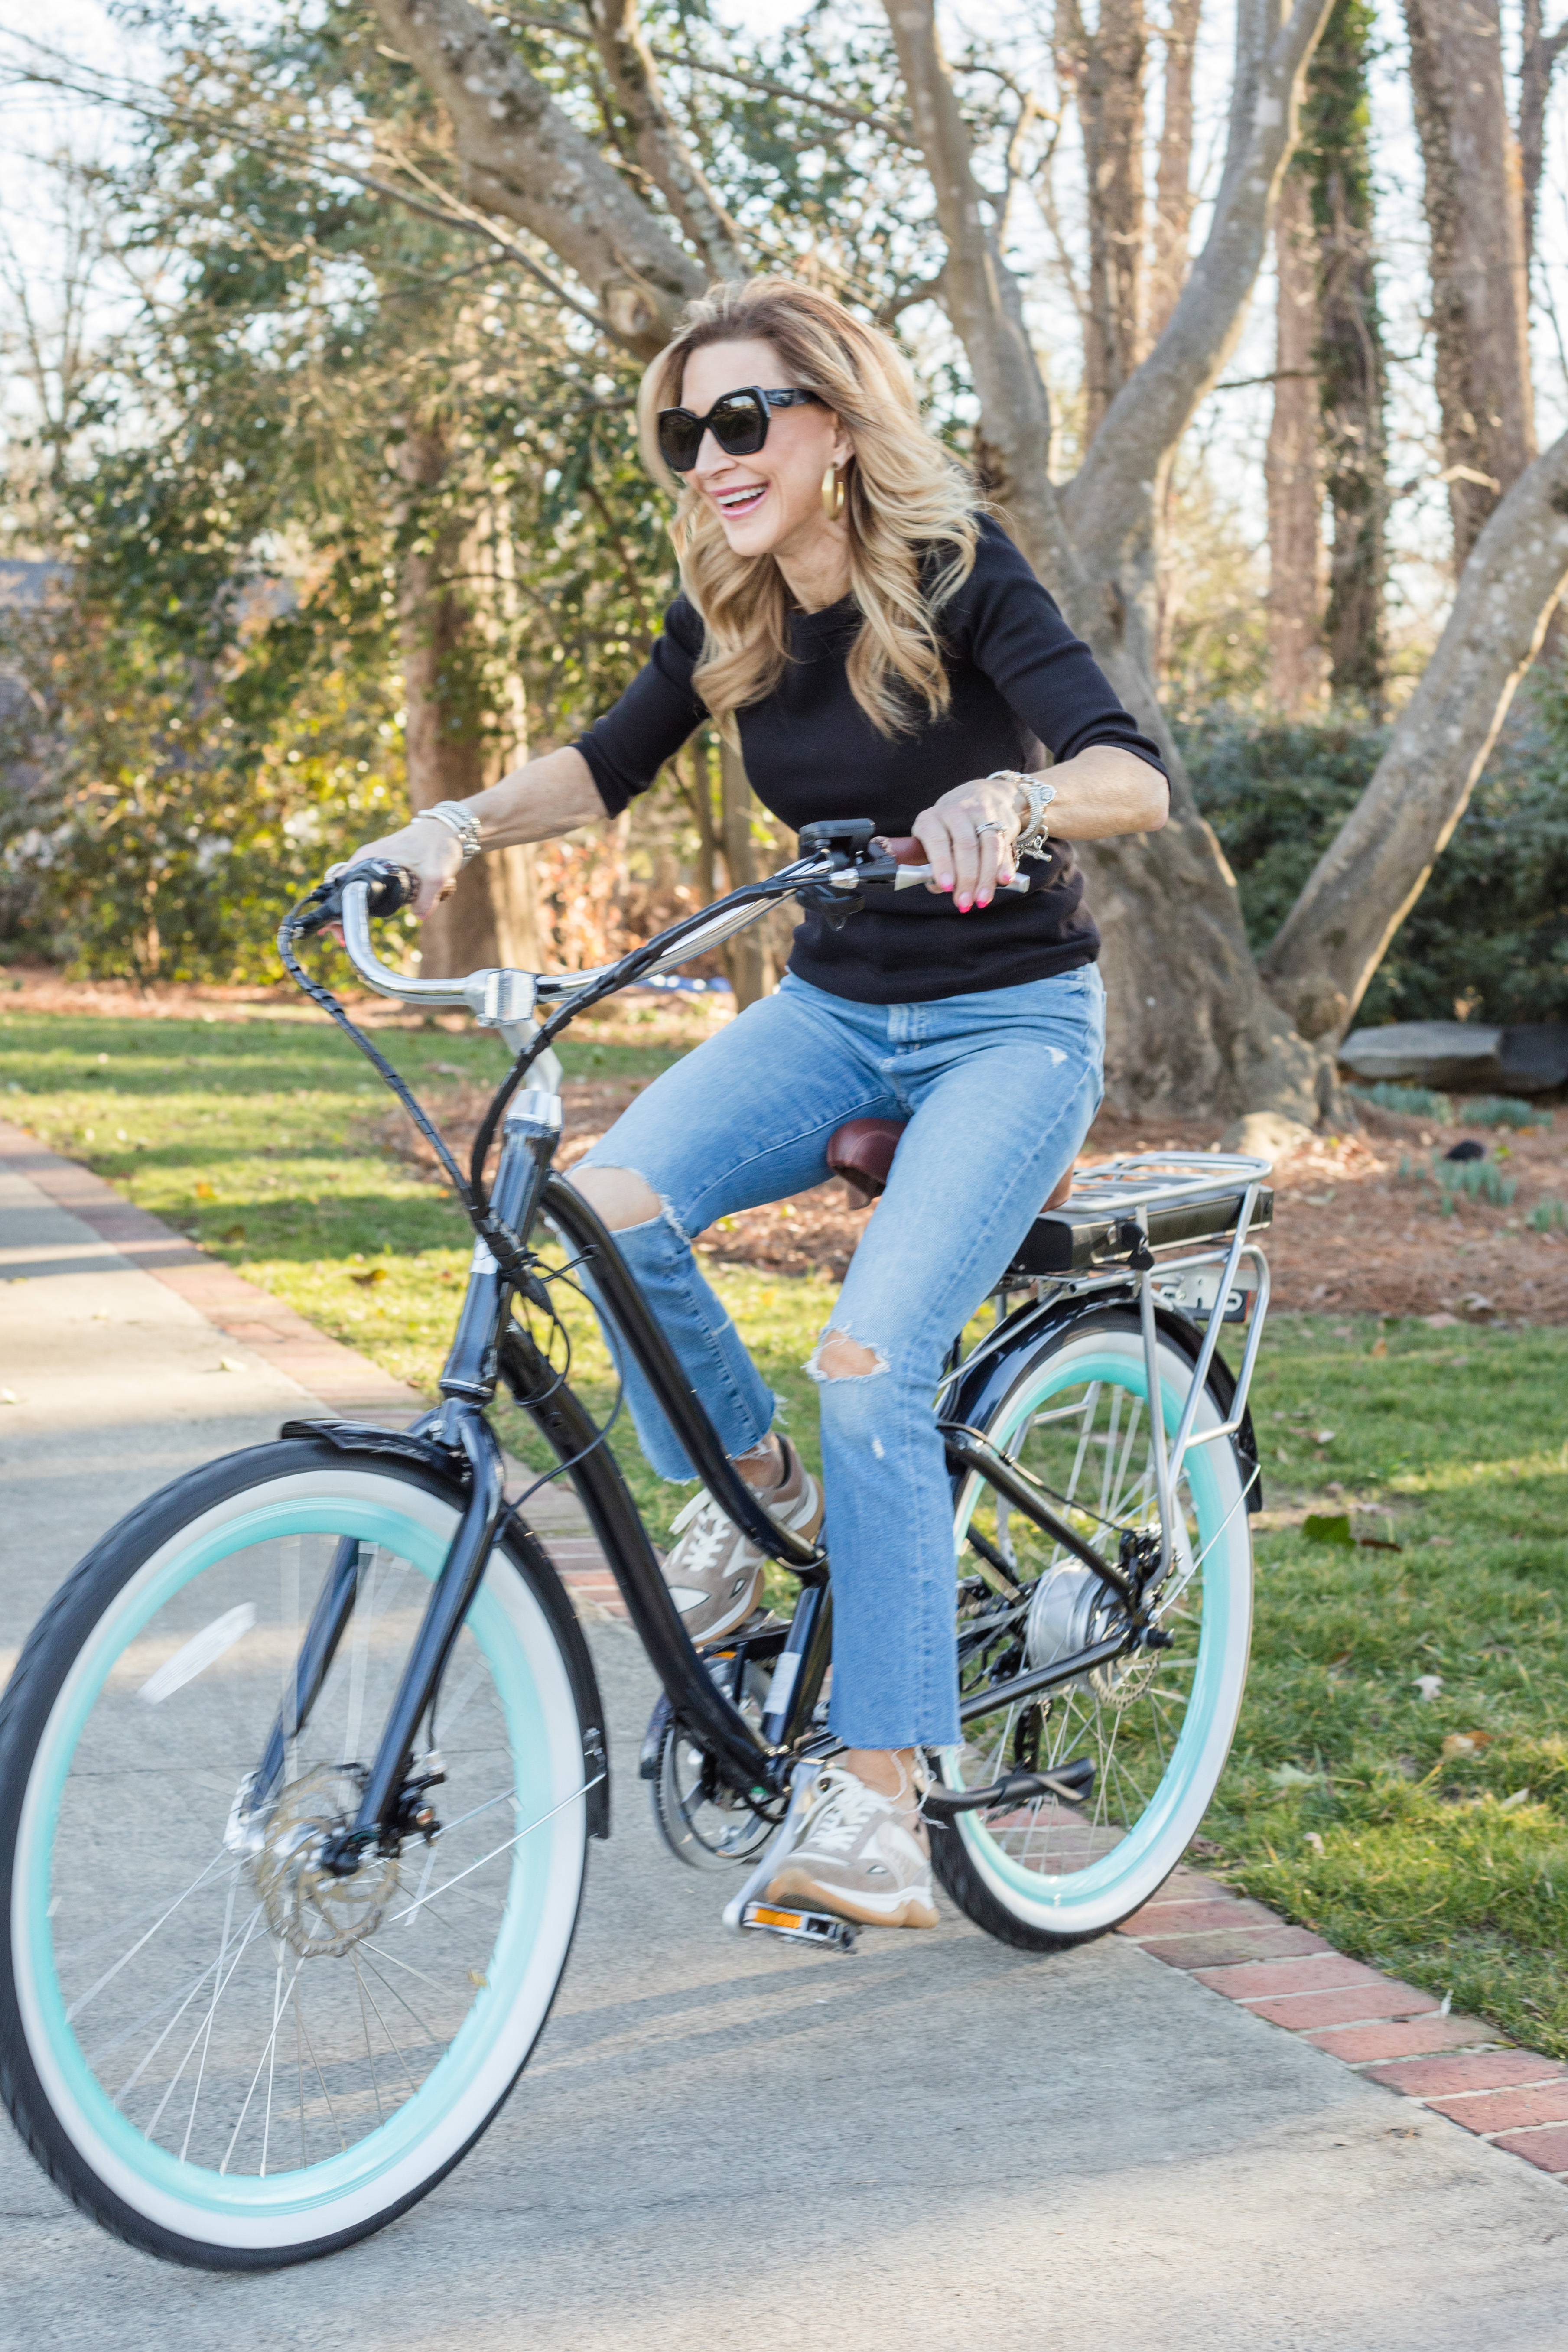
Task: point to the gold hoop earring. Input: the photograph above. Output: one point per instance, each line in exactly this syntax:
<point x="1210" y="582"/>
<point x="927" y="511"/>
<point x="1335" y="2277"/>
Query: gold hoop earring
<point x="833" y="494"/>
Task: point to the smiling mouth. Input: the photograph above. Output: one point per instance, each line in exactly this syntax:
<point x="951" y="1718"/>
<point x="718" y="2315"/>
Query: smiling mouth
<point x="743" y="501"/>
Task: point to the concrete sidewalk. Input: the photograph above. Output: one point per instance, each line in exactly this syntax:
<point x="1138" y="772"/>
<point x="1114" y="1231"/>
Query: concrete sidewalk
<point x="936" y="2143"/>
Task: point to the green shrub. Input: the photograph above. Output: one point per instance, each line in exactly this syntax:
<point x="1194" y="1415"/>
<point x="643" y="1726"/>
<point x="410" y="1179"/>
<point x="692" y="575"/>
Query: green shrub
<point x="1490" y="931"/>
<point x="1416" y="1102"/>
<point x="1502" y="1110"/>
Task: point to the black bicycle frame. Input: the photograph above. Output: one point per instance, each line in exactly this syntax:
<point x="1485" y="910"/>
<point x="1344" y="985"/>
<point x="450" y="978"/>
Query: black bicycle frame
<point x="488" y="1346"/>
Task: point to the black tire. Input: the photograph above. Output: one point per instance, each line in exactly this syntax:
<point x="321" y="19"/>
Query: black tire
<point x="521" y="1636"/>
<point x="1049" y="1875"/>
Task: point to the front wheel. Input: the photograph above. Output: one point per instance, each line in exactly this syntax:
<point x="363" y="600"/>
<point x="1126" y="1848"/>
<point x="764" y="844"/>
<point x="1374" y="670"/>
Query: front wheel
<point x="1149" y="1732"/>
<point x="221" y="2052"/>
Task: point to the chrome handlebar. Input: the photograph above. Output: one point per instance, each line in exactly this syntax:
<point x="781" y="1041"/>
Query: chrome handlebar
<point x="500" y="998"/>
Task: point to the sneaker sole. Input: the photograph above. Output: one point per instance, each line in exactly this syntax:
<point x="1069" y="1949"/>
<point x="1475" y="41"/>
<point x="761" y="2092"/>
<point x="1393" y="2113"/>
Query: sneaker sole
<point x="908" y="1910"/>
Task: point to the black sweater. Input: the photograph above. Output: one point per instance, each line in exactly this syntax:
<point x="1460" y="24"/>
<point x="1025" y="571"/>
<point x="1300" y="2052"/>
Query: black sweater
<point x="1018" y="672"/>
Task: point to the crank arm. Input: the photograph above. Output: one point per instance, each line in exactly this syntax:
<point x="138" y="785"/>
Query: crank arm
<point x="1073" y="1784"/>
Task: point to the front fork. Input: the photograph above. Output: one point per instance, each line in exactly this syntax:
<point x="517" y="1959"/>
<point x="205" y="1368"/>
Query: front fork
<point x="467" y="1385"/>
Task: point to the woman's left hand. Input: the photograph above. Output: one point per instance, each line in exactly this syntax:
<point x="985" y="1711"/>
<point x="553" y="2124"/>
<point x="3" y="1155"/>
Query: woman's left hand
<point x="972" y="863"/>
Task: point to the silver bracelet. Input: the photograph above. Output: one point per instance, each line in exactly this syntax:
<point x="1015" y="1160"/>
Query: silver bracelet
<point x="461" y="823"/>
<point x="1037" y="793"/>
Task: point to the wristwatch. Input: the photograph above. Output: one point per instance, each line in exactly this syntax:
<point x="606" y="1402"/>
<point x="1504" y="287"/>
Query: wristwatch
<point x="461" y="823"/>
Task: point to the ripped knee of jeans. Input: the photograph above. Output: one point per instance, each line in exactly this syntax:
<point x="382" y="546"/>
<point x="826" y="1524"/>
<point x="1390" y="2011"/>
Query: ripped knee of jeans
<point x="622" y="1198"/>
<point x="839" y="1357"/>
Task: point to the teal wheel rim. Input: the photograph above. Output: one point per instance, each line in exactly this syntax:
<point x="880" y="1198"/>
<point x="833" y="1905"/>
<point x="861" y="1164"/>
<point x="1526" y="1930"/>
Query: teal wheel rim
<point x="1114" y="1882"/>
<point x="461" y="2080"/>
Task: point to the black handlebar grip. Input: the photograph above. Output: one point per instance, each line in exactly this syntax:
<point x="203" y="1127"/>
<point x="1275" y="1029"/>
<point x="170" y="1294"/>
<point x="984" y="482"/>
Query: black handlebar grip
<point x="391" y="886"/>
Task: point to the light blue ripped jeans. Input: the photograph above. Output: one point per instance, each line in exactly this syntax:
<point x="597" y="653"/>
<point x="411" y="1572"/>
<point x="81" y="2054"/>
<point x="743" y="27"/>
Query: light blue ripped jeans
<point x="999" y="1089"/>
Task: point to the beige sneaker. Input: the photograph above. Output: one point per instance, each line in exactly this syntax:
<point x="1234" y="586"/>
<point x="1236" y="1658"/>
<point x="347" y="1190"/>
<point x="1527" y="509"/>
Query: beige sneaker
<point x="860" y="1855"/>
<point x="714" y="1572"/>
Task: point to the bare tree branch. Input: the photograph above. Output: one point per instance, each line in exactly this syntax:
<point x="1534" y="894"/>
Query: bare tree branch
<point x="835" y="109"/>
<point x="660" y="150"/>
<point x="1366" y="882"/>
<point x="522" y="158"/>
<point x="1539" y="51"/>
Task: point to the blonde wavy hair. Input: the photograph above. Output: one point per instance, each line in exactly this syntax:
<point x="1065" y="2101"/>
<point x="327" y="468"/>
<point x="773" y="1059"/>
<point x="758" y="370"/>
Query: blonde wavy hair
<point x="906" y="502"/>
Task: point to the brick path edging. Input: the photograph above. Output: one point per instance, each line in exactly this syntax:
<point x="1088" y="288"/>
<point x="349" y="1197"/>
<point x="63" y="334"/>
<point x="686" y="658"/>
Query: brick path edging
<point x="1408" y="2039"/>
<point x="1290" y="1976"/>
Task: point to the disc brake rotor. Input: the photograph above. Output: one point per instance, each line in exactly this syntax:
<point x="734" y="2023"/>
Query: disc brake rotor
<point x="316" y="1914"/>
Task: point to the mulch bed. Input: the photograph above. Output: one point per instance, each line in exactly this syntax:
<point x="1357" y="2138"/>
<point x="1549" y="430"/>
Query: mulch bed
<point x="1351" y="1234"/>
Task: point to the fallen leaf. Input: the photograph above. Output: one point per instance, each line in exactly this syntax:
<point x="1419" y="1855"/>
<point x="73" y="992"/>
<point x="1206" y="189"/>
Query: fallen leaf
<point x="233" y="1233"/>
<point x="375" y="1274"/>
<point x="230" y="1364"/>
<point x="1290" y="1775"/>
<point x="206" y="1192"/>
<point x="1428" y="1685"/>
<point x="1380" y="1347"/>
<point x="1466" y="1743"/>
<point x="1328" y="1528"/>
<point x="1322" y="1437"/>
<point x="1520" y="1797"/>
<point x="1314" y="1841"/>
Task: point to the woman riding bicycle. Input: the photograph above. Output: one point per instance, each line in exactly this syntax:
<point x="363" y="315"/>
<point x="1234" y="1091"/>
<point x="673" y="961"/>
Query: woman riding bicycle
<point x="880" y="649"/>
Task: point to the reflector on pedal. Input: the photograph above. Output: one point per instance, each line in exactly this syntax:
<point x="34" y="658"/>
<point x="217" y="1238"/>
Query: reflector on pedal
<point x="800" y="1927"/>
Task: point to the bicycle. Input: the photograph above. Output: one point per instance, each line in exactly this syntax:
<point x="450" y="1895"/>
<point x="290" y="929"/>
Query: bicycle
<point x="300" y="1767"/>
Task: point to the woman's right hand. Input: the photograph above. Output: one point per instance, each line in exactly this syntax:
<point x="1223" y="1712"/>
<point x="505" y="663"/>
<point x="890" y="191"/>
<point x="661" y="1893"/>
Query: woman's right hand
<point x="432" y="855"/>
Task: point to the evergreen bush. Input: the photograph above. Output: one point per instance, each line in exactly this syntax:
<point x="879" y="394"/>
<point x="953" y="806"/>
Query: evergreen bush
<point x="1487" y="939"/>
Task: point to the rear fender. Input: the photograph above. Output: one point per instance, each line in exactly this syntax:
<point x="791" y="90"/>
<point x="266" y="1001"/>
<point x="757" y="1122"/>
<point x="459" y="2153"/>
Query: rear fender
<point x="977" y="1391"/>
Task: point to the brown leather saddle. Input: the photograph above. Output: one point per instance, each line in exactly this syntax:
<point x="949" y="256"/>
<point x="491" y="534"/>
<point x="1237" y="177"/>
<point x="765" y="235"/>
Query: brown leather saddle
<point x="862" y="1149"/>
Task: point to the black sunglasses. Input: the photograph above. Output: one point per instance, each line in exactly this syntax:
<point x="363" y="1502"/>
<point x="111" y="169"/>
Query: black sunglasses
<point x="738" y="423"/>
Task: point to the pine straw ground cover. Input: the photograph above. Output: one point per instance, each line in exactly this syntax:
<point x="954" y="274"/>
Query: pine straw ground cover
<point x="1400" y="1778"/>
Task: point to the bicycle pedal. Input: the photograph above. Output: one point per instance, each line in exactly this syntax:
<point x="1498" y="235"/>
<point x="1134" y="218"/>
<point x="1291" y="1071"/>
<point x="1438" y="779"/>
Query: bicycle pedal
<point x="800" y="1927"/>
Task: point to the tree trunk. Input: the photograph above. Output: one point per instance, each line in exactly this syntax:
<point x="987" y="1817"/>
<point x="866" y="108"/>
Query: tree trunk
<point x="1189" y="1022"/>
<point x="1336" y="140"/>
<point x="450" y="751"/>
<point x="1174" y="180"/>
<point x="1290" y="464"/>
<point x="748" y="958"/>
<point x="1475" y="222"/>
<point x="1106" y="69"/>
<point x="1366" y="882"/>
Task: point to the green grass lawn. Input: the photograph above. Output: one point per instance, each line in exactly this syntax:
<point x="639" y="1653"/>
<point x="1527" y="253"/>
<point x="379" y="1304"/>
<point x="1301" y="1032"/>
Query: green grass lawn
<point x="1428" y="1834"/>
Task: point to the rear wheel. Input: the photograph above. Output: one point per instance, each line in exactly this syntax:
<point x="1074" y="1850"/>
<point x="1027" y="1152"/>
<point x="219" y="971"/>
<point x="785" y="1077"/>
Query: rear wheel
<point x="220" y="2050"/>
<point x="1156" y="1726"/>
